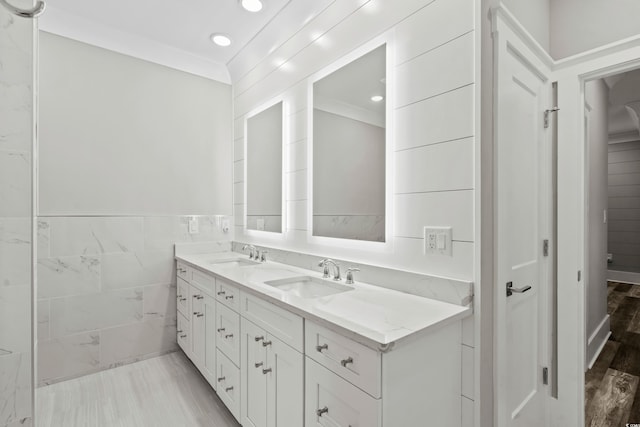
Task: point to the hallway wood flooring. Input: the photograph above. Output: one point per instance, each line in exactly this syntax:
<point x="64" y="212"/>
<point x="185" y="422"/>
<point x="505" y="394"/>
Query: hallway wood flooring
<point x="612" y="391"/>
<point x="165" y="391"/>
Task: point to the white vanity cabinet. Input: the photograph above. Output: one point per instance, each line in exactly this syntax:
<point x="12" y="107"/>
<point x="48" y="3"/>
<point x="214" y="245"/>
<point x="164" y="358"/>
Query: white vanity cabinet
<point x="272" y="380"/>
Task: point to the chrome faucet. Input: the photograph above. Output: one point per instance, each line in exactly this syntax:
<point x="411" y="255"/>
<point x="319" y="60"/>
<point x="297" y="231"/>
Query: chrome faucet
<point x="252" y="250"/>
<point x="350" y="271"/>
<point x="326" y="264"/>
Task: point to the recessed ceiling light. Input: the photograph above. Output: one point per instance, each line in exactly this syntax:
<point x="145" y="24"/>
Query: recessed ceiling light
<point x="252" y="5"/>
<point x="377" y="98"/>
<point x="221" y="39"/>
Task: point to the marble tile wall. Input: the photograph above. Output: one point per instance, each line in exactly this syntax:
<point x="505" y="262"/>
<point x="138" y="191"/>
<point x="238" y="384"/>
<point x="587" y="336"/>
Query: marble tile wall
<point x="356" y="227"/>
<point x="16" y="218"/>
<point x="107" y="291"/>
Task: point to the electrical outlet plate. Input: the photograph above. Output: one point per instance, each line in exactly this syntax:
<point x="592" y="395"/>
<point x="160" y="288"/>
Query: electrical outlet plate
<point x="437" y="240"/>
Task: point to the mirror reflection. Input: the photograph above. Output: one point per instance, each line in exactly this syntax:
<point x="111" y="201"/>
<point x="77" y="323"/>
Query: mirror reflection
<point x="349" y="127"/>
<point x="264" y="170"/>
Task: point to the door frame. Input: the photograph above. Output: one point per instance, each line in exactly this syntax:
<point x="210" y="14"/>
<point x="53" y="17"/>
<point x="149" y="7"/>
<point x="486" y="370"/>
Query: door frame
<point x="571" y="74"/>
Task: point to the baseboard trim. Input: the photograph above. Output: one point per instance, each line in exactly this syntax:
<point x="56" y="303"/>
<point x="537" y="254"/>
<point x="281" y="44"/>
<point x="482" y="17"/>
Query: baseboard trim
<point x="597" y="341"/>
<point x="623" y="277"/>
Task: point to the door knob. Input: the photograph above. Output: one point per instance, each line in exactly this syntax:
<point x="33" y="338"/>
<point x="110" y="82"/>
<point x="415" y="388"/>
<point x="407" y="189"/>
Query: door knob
<point x="511" y="289"/>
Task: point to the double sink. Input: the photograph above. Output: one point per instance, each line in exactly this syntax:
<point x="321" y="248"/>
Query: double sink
<point x="301" y="286"/>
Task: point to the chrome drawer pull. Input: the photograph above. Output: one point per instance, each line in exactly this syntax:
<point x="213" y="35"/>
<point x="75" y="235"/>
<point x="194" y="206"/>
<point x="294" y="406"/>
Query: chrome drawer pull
<point x="257" y="365"/>
<point x="221" y="329"/>
<point x="228" y="336"/>
<point x="228" y="297"/>
<point x="345" y="362"/>
<point x="200" y="297"/>
<point x="199" y="314"/>
<point x="266" y="343"/>
<point x="228" y="389"/>
<point x="221" y="379"/>
<point x="266" y="371"/>
<point x="258" y="339"/>
<point x="221" y="293"/>
<point x="180" y="331"/>
<point x="324" y="410"/>
<point x="319" y="348"/>
<point x="183" y="336"/>
<point x="183" y="299"/>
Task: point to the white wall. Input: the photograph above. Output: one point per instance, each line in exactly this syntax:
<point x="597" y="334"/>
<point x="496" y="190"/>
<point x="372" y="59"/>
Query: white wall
<point x="534" y="16"/>
<point x="596" y="111"/>
<point x="434" y="131"/>
<point x="581" y="25"/>
<point x="124" y="136"/>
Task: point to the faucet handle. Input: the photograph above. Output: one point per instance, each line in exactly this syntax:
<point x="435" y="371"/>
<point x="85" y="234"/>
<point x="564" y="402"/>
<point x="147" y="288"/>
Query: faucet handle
<point x="263" y="257"/>
<point x="350" y="271"/>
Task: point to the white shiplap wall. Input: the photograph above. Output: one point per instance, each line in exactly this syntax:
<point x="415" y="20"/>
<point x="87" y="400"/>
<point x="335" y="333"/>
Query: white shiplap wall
<point x="434" y="131"/>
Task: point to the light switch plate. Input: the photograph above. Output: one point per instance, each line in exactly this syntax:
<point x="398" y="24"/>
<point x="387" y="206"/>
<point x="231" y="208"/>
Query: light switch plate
<point x="193" y="225"/>
<point x="437" y="240"/>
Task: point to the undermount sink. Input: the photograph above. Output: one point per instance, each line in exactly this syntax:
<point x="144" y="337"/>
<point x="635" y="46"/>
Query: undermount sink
<point x="234" y="262"/>
<point x="308" y="287"/>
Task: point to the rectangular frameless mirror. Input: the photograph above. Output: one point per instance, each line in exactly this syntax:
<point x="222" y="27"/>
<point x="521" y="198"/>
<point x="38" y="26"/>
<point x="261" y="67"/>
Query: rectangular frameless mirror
<point x="349" y="146"/>
<point x="264" y="173"/>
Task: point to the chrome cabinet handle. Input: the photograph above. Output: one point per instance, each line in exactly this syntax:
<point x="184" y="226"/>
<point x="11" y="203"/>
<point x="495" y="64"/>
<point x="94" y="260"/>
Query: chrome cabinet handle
<point x="197" y="297"/>
<point x="228" y="297"/>
<point x="183" y="299"/>
<point x="179" y="332"/>
<point x="221" y="329"/>
<point x="319" y="348"/>
<point x="511" y="289"/>
<point x="324" y="410"/>
<point x="183" y="336"/>
<point x="266" y="343"/>
<point x="198" y="314"/>
<point x="221" y="293"/>
<point x="257" y="365"/>
<point x="221" y="379"/>
<point x="228" y="336"/>
<point x="266" y="371"/>
<point x="228" y="389"/>
<point x="345" y="362"/>
<point x="256" y="339"/>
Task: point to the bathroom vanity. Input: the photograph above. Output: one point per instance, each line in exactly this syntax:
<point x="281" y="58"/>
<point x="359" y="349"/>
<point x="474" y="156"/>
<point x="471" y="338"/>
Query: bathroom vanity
<point x="284" y="347"/>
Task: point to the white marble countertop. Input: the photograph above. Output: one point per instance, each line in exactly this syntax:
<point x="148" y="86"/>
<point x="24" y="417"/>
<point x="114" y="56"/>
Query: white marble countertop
<point x="372" y="315"/>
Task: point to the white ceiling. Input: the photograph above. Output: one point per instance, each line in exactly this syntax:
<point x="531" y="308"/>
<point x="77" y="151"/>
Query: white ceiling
<point x="177" y="33"/>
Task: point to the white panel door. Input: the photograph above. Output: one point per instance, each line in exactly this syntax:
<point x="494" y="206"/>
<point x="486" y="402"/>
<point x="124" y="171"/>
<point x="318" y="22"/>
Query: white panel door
<point x="523" y="93"/>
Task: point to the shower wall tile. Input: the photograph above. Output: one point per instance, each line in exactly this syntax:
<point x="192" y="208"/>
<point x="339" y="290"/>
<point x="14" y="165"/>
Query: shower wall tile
<point x="15" y="251"/>
<point x="15" y="183"/>
<point x="95" y="235"/>
<point x="107" y="290"/>
<point x="132" y="269"/>
<point x="15" y="388"/>
<point x="93" y="312"/>
<point x="159" y="302"/>
<point x="68" y="357"/>
<point x="130" y="343"/>
<point x="68" y="276"/>
<point x="15" y="319"/>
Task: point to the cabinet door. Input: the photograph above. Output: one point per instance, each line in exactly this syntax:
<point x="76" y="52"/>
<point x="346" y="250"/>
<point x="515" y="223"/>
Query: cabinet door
<point x="228" y="330"/>
<point x="333" y="402"/>
<point x="228" y="378"/>
<point x="182" y="297"/>
<point x="184" y="333"/>
<point x="285" y="382"/>
<point x="253" y="371"/>
<point x="209" y="363"/>
<point x="197" y="326"/>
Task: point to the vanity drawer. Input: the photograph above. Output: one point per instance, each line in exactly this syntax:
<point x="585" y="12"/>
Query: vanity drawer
<point x="228" y="294"/>
<point x="203" y="281"/>
<point x="184" y="334"/>
<point x="284" y="325"/>
<point x="182" y="271"/>
<point x="228" y="330"/>
<point x="332" y="401"/>
<point x="182" y="297"/>
<point x="228" y="379"/>
<point x="358" y="364"/>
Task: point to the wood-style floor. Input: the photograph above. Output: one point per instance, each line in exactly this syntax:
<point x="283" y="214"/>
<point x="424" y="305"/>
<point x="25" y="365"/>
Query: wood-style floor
<point x="163" y="391"/>
<point x="612" y="393"/>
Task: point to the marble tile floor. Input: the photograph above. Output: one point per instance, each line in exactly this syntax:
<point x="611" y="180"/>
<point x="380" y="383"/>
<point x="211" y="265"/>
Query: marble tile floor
<point x="163" y="391"/>
<point x="612" y="390"/>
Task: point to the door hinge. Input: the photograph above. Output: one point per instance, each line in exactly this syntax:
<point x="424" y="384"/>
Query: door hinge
<point x="546" y="115"/>
<point x="545" y="376"/>
<point x="545" y="247"/>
